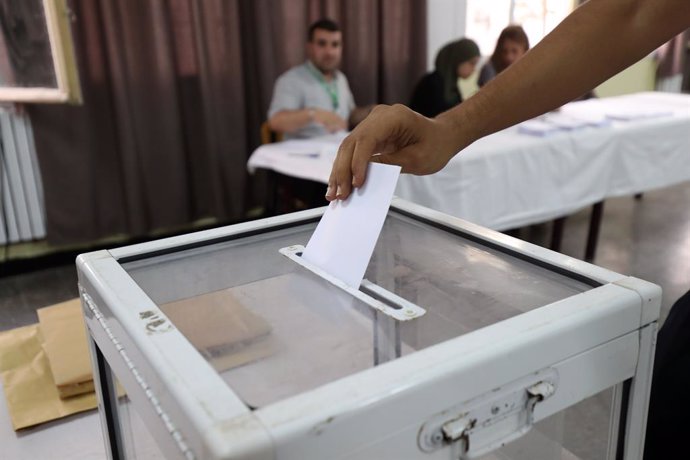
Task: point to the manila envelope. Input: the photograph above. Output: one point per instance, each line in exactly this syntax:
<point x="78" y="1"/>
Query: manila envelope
<point x="65" y="343"/>
<point x="226" y="333"/>
<point x="32" y="396"/>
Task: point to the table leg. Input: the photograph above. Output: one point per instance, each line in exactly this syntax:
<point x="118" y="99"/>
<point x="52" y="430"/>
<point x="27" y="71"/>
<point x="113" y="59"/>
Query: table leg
<point x="594" y="226"/>
<point x="273" y="194"/>
<point x="557" y="233"/>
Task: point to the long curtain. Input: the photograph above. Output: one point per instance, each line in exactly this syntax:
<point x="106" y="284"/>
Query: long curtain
<point x="174" y="94"/>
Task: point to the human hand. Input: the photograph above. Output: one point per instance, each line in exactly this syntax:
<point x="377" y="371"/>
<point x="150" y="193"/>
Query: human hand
<point x="393" y="135"/>
<point x="330" y="120"/>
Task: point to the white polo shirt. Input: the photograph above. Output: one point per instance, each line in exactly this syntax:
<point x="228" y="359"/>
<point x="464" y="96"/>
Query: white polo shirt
<point x="301" y="88"/>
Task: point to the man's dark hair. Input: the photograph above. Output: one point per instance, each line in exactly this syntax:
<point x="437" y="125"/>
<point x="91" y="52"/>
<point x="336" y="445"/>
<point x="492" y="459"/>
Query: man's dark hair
<point x="323" y="24"/>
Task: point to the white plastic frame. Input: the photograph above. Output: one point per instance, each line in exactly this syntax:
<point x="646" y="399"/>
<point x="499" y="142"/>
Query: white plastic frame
<point x="592" y="341"/>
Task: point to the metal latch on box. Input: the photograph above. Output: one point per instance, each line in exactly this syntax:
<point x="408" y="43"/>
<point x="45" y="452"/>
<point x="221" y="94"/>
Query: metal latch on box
<point x="491" y="420"/>
<point x="372" y="294"/>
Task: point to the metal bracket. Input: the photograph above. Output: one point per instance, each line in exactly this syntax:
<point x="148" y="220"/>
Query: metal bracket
<point x="372" y="294"/>
<point x="491" y="420"/>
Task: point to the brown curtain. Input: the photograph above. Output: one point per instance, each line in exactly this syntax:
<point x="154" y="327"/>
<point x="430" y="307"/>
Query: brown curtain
<point x="174" y="94"/>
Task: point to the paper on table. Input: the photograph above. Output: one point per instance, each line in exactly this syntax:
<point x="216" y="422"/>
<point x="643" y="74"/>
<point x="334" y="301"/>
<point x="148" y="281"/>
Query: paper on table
<point x="224" y="331"/>
<point x="637" y="113"/>
<point x="32" y="396"/>
<point x="66" y="346"/>
<point x="345" y="238"/>
<point x="537" y="128"/>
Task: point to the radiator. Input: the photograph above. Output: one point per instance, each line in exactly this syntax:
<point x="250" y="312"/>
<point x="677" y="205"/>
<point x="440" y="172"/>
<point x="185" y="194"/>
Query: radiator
<point x="22" y="209"/>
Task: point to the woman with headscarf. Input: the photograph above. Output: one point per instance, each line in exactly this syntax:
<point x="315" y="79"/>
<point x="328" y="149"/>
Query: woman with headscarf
<point x="438" y="91"/>
<point x="510" y="46"/>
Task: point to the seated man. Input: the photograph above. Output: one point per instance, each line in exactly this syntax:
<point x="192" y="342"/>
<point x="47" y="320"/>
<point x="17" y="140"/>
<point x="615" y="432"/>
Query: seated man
<point x="314" y="98"/>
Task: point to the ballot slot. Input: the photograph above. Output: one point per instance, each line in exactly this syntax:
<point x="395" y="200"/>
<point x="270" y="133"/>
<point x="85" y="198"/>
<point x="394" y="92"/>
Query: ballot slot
<point x="389" y="309"/>
<point x="378" y="298"/>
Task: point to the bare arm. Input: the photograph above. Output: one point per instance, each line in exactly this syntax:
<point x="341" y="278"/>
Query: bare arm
<point x="596" y="41"/>
<point x="289" y="121"/>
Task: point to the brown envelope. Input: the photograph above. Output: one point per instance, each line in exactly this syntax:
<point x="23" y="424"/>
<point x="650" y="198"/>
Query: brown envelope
<point x="65" y="343"/>
<point x="32" y="397"/>
<point x="224" y="331"/>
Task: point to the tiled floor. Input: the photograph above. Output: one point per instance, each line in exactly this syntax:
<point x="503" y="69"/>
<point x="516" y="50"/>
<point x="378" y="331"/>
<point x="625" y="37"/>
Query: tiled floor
<point x="647" y="238"/>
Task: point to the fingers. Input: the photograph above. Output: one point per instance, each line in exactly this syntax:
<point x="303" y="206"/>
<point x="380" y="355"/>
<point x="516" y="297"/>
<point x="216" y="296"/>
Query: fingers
<point x="337" y="124"/>
<point x="340" y="170"/>
<point x="361" y="154"/>
<point x="330" y="189"/>
<point x="331" y="121"/>
<point x="380" y="131"/>
<point x="350" y="167"/>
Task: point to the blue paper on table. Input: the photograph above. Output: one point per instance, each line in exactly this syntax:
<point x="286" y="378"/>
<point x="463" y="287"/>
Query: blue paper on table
<point x="537" y="128"/>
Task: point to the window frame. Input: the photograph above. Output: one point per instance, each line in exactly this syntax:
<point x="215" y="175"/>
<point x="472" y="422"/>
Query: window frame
<point x="57" y="16"/>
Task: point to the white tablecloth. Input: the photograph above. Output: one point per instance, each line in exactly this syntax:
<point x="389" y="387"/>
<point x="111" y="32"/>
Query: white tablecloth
<point x="303" y="158"/>
<point x="511" y="179"/>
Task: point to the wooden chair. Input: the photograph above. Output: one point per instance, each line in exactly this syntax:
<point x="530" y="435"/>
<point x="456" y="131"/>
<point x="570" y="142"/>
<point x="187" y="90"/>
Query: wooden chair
<point x="269" y="136"/>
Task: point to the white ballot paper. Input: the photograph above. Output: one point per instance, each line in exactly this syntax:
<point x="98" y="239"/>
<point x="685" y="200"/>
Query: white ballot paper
<point x="345" y="238"/>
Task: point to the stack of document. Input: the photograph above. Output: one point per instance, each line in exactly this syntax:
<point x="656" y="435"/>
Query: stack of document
<point x="637" y="113"/>
<point x="46" y="368"/>
<point x="554" y="122"/>
<point x="537" y="127"/>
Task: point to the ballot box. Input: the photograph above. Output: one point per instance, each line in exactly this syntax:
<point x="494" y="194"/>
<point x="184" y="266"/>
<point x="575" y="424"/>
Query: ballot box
<point x="461" y="342"/>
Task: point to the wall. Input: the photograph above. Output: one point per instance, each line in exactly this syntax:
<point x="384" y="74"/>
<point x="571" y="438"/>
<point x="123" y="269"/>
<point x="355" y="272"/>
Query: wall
<point x="636" y="78"/>
<point x="445" y="22"/>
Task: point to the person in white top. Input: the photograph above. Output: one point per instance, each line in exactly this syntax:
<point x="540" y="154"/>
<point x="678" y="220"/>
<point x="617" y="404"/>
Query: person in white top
<point x="314" y="98"/>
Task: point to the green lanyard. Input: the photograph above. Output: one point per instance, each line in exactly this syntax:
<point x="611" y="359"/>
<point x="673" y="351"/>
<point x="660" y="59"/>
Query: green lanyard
<point x="331" y="87"/>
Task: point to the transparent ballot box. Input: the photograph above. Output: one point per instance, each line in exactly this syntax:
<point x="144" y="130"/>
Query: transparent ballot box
<point x="461" y="342"/>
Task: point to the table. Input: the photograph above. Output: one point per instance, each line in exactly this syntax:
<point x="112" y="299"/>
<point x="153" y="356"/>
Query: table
<point x="78" y="437"/>
<point x="510" y="179"/>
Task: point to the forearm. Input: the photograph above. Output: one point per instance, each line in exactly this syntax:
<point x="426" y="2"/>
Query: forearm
<point x="598" y="40"/>
<point x="289" y="121"/>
